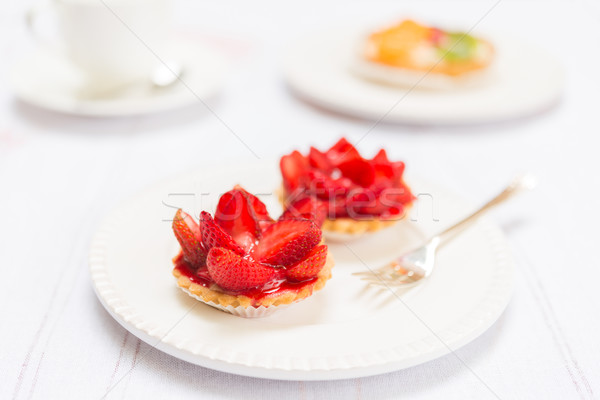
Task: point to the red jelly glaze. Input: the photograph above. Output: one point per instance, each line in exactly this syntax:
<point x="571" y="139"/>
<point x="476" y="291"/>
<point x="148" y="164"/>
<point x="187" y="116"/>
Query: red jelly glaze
<point x="273" y="288"/>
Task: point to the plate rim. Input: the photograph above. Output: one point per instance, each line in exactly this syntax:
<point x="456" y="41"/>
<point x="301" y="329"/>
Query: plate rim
<point x="475" y="323"/>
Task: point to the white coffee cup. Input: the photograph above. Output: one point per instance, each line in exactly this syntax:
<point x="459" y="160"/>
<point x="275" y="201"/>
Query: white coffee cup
<point x="114" y="42"/>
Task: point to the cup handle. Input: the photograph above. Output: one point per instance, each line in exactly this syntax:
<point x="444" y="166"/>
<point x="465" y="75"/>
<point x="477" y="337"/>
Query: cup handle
<point x="31" y="17"/>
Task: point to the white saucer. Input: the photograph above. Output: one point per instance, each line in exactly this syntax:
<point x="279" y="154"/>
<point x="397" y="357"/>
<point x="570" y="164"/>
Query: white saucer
<point x="345" y="330"/>
<point x="49" y="81"/>
<point x="524" y="80"/>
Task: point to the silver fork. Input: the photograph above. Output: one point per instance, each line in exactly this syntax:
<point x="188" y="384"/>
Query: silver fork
<point x="418" y="264"/>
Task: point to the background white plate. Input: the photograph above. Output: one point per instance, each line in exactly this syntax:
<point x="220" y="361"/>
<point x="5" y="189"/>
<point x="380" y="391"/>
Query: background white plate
<point x="50" y="81"/>
<point x="524" y="80"/>
<point x="345" y="330"/>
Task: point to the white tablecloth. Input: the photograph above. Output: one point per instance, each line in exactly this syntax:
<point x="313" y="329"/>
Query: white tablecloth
<point x="60" y="174"/>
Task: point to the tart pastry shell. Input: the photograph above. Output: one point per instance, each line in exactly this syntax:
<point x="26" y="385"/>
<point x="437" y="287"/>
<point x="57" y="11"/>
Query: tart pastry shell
<point x="247" y="307"/>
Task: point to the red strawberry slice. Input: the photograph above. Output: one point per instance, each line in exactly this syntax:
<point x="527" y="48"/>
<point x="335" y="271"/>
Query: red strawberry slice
<point x="214" y="236"/>
<point x="359" y="170"/>
<point x="319" y="160"/>
<point x="383" y="173"/>
<point x="393" y="212"/>
<point x="232" y="272"/>
<point x="236" y="216"/>
<point x="306" y="208"/>
<point x="293" y="166"/>
<point x="188" y="235"/>
<point x="398" y="195"/>
<point x="309" y="267"/>
<point x="287" y="242"/>
<point x="338" y="207"/>
<point x="384" y="170"/>
<point x="381" y="157"/>
<point x="398" y="168"/>
<point x="325" y="187"/>
<point x="341" y="152"/>
<point x="362" y="203"/>
<point x="258" y="207"/>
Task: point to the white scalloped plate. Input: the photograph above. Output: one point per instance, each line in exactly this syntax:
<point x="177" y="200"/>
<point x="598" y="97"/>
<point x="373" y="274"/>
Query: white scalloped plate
<point x="523" y="80"/>
<point x="345" y="330"/>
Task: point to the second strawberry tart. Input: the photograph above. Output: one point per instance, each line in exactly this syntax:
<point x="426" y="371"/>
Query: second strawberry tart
<point x="350" y="193"/>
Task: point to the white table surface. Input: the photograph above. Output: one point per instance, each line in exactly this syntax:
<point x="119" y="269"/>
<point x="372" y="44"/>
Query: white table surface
<point x="60" y="174"/>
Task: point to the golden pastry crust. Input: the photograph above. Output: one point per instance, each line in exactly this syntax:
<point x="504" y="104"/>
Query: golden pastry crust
<point x="349" y="225"/>
<point x="356" y="226"/>
<point x="214" y="295"/>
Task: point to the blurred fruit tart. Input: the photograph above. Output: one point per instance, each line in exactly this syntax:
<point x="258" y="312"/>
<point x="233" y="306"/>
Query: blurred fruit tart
<point x="412" y="54"/>
<point x="343" y="191"/>
<point x="244" y="262"/>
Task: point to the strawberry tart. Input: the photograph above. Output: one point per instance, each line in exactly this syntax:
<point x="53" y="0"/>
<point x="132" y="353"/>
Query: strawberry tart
<point x="348" y="193"/>
<point x="244" y="262"/>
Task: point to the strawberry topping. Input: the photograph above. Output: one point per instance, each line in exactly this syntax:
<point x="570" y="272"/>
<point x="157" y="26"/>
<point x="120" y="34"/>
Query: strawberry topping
<point x="233" y="272"/>
<point x="309" y="267"/>
<point x="319" y="160"/>
<point x="359" y="170"/>
<point x="242" y="249"/>
<point x="292" y="167"/>
<point x="341" y="152"/>
<point x="258" y="209"/>
<point x="214" y="236"/>
<point x="236" y="215"/>
<point x="306" y="208"/>
<point x="352" y="186"/>
<point x="188" y="235"/>
<point x="287" y="242"/>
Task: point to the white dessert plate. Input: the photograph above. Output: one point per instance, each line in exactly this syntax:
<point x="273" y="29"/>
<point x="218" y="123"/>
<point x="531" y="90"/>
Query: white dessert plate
<point x="48" y="80"/>
<point x="523" y="80"/>
<point x="345" y="330"/>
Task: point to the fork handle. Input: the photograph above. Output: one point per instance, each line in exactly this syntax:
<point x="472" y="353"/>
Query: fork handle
<point x="516" y="186"/>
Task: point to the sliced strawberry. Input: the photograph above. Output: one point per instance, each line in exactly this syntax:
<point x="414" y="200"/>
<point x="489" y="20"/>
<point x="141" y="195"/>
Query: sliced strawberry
<point x="258" y="207"/>
<point x="319" y="160"/>
<point x="383" y="172"/>
<point x="362" y="203"/>
<point x="393" y="212"/>
<point x="232" y="272"/>
<point x="341" y="152"/>
<point x="334" y="177"/>
<point x="359" y="170"/>
<point x="214" y="236"/>
<point x="380" y="185"/>
<point x="398" y="195"/>
<point x="398" y="167"/>
<point x="306" y="208"/>
<point x="309" y="267"/>
<point x="338" y="207"/>
<point x="293" y="166"/>
<point x="383" y="168"/>
<point x="188" y="235"/>
<point x="287" y="242"/>
<point x="325" y="187"/>
<point x="237" y="217"/>
<point x="381" y="157"/>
